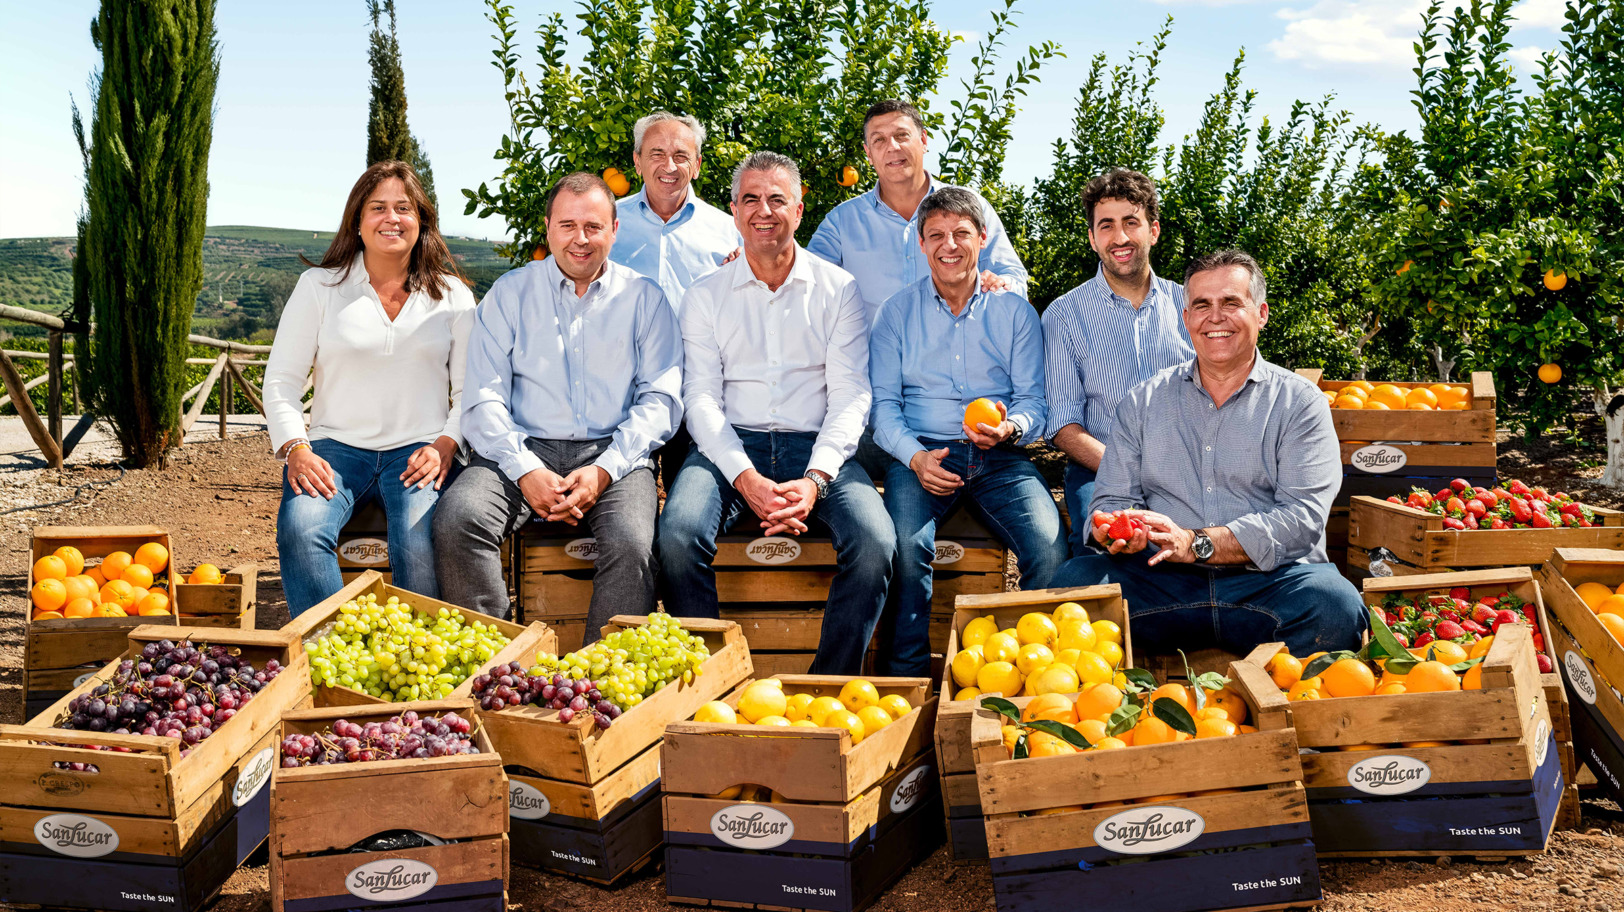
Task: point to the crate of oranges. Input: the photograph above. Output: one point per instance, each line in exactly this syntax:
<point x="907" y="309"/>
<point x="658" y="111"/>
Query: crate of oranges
<point x="801" y="791"/>
<point x="208" y="597"/>
<point x="1003" y="644"/>
<point x="1398" y="435"/>
<point x="88" y="587"/>
<point x="1388" y="731"/>
<point x="1191" y="791"/>
<point x="1585" y="588"/>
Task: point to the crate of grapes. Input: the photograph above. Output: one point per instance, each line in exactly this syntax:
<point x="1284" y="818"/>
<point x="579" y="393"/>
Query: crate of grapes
<point x="115" y="798"/>
<point x="580" y="736"/>
<point x="398" y="806"/>
<point x="350" y="665"/>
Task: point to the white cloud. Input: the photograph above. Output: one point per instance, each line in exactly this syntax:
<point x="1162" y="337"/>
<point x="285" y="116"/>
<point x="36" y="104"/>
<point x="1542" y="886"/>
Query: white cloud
<point x="1527" y="58"/>
<point x="1551" y="14"/>
<point x="1347" y="32"/>
<point x="970" y="38"/>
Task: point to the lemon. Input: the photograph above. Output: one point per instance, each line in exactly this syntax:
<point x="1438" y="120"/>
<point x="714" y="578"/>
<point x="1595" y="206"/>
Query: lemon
<point x="761" y="700"/>
<point x="1110" y="652"/>
<point x="999" y="678"/>
<point x="1068" y="656"/>
<point x="857" y="694"/>
<point x="1001" y="647"/>
<point x="1070" y="611"/>
<point x="820" y="708"/>
<point x="796" y="710"/>
<point x="967" y="693"/>
<point x="1036" y="627"/>
<point x="1056" y="679"/>
<point x="873" y="718"/>
<point x="841" y="718"/>
<point x="716" y="711"/>
<point x="896" y="705"/>
<point x="977" y="631"/>
<point x="1108" y="631"/>
<point x="1093" y="669"/>
<point x="1033" y="657"/>
<point x="803" y="723"/>
<point x="966" y="665"/>
<point x="1079" y="635"/>
<point x="779" y="721"/>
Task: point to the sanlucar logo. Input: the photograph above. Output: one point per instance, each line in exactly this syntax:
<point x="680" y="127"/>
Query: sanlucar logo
<point x="910" y="790"/>
<point x="255" y="773"/>
<point x="368" y="552"/>
<point x="76" y="836"/>
<point x="83" y="678"/>
<point x="1378" y="458"/>
<point x="1579" y="676"/>
<point x="582" y="549"/>
<point x="391" y="880"/>
<point x="948" y="552"/>
<point x="1389" y="774"/>
<point x="752" y="826"/>
<point x="1149" y="831"/>
<point x="1543" y="743"/>
<point x="526" y="802"/>
<point x="773" y="550"/>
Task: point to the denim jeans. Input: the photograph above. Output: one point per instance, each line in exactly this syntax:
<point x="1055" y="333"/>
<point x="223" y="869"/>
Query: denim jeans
<point x="1006" y="492"/>
<point x="1309" y="607"/>
<point x="307" y="525"/>
<point x="1079" y="488"/>
<point x="704" y="504"/>
<point x="484" y="507"/>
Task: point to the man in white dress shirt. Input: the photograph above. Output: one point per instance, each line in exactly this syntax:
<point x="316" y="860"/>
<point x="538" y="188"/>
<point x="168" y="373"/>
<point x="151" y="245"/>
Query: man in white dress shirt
<point x="776" y="391"/>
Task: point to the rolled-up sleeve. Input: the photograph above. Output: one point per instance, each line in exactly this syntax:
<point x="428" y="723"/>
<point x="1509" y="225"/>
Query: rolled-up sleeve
<point x="826" y="240"/>
<point x="1028" y="406"/>
<point x="1120" y="484"/>
<point x="292" y="356"/>
<point x="846" y="376"/>
<point x="1310" y="474"/>
<point x="487" y="421"/>
<point x="1063" y="379"/>
<point x="656" y="409"/>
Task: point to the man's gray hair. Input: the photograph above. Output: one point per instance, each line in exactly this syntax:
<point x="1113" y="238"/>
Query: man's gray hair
<point x="953" y="201"/>
<point x="649" y="120"/>
<point x="1223" y="259"/>
<point x="767" y="161"/>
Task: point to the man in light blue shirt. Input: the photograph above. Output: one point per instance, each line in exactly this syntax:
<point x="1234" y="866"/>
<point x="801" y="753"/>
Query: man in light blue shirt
<point x="574" y="378"/>
<point x="1110" y="333"/>
<point x="938" y="345"/>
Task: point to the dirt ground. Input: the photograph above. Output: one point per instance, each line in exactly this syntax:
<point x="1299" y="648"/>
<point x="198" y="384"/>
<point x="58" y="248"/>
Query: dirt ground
<point x="219" y="501"/>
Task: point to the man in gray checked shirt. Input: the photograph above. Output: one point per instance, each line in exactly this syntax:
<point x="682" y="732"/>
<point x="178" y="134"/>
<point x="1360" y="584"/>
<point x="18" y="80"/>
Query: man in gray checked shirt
<point x="1231" y="463"/>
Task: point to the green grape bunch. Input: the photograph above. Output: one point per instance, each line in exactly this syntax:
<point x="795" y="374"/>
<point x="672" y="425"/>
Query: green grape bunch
<point x="396" y="654"/>
<point x="634" y="662"/>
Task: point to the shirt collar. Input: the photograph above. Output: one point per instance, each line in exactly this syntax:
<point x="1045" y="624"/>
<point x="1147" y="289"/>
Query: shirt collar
<point x="1256" y="375"/>
<point x="640" y="199"/>
<point x="877" y="203"/>
<point x="1152" y="297"/>
<point x="976" y="299"/>
<point x="558" y="281"/>
<point x="801" y="270"/>
<point x="358" y="277"/>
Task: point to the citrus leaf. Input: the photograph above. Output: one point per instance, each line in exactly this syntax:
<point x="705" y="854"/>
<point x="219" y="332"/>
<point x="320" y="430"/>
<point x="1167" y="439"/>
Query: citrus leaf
<point x="1122" y="718"/>
<point x="1401" y="665"/>
<point x="1002" y="707"/>
<point x="1173" y="714"/>
<point x="1325" y="661"/>
<point x="1139" y="680"/>
<point x="1062" y="731"/>
<point x="1463" y="666"/>
<point x="1382" y="635"/>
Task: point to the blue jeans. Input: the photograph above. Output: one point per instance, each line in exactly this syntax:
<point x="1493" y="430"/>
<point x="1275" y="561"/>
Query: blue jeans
<point x="307" y="525"/>
<point x="703" y="504"/>
<point x="1309" y="607"/>
<point x="1006" y="492"/>
<point x="1079" y="488"/>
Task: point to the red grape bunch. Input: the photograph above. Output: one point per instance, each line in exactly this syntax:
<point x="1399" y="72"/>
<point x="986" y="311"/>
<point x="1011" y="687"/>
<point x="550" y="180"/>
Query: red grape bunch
<point x="511" y="685"/>
<point x="402" y="737"/>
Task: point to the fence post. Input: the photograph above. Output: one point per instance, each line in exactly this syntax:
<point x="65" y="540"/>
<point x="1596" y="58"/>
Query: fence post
<point x="25" y="407"/>
<point x="53" y="387"/>
<point x="225" y="400"/>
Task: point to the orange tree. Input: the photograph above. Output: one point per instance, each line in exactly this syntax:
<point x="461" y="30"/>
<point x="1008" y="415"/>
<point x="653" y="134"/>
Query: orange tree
<point x="1500" y="246"/>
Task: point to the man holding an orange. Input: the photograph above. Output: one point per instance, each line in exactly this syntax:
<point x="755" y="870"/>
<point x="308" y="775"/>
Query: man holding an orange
<point x="957" y="374"/>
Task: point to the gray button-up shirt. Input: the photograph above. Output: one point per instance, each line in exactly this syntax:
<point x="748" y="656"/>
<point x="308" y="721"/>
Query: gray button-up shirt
<point x="1266" y="464"/>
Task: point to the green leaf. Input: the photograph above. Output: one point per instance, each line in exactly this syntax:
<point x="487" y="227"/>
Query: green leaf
<point x="1002" y="707"/>
<point x="1463" y="666"/>
<point x="1173" y="714"/>
<point x="1325" y="661"/>
<point x="1020" y="752"/>
<point x="1139" y="680"/>
<point x="1211" y="680"/>
<point x="1122" y="718"/>
<point x="1062" y="731"/>
<point x="1401" y="665"/>
<point x="1382" y="636"/>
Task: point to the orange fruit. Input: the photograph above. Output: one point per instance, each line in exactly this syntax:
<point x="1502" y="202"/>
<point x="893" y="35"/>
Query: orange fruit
<point x="1391" y="396"/>
<point x="1348" y="402"/>
<point x="1457" y="406"/>
<point x="114" y="565"/>
<point x="1550" y="373"/>
<point x="1377" y="406"/>
<point x="119" y="592"/>
<point x="96" y="576"/>
<point x="1592" y="594"/>
<point x="1307" y="689"/>
<point x="49" y="594"/>
<point x="1555" y="281"/>
<point x="1364" y="386"/>
<point x="72" y="559"/>
<point x="1415" y="744"/>
<point x="1431" y="677"/>
<point x="1613" y="604"/>
<point x="1421" y="396"/>
<point x="50" y="567"/>
<point x="109" y="611"/>
<point x="1098" y="701"/>
<point x="1230" y="702"/>
<point x="205" y="575"/>
<point x="1212" y="712"/>
<point x="843" y="718"/>
<point x="137" y="575"/>
<point x="137" y="594"/>
<point x="1472" y="678"/>
<point x="1178" y="693"/>
<point x="1481" y="647"/>
<point x="1152" y="730"/>
<point x="79" y="587"/>
<point x="1043" y="744"/>
<point x="1093" y="730"/>
<point x="1349" y="678"/>
<point x="1054" y="706"/>
<point x="1108" y="743"/>
<point x="848" y="176"/>
<point x="1216" y="728"/>
<point x="1388" y="690"/>
<point x="981" y="411"/>
<point x="1447" y="652"/>
<point x="47" y="615"/>
<point x="153" y="556"/>
<point x="155" y="603"/>
<point x="1613" y="623"/>
<point x="1285" y="669"/>
<point x="79" y="608"/>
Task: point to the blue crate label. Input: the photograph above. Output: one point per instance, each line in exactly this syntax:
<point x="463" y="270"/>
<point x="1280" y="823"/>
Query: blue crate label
<point x="752" y="826"/>
<point x="366" y="552"/>
<point x="84" y="677"/>
<point x="1149" y="831"/>
<point x="255" y="773"/>
<point x="1378" y="459"/>
<point x="773" y="550"/>
<point x="948" y="552"/>
<point x="76" y="836"/>
<point x="1542" y="743"/>
<point x="391" y="880"/>
<point x="526" y="802"/>
<point x="582" y="549"/>
<point x="910" y="790"/>
<point x="1579" y="676"/>
<point x="1389" y="774"/>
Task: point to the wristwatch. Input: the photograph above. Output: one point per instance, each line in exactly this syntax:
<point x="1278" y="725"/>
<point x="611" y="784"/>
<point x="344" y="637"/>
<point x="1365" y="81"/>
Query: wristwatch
<point x="821" y="482"/>
<point x="1015" y="436"/>
<point x="1202" y="545"/>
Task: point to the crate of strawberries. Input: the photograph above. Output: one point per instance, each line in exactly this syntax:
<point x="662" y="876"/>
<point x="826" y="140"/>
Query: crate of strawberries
<point x="1461" y="608"/>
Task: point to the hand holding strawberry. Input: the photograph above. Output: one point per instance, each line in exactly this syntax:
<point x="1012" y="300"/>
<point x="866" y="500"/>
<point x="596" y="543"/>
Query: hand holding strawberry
<point x="1121" y="531"/>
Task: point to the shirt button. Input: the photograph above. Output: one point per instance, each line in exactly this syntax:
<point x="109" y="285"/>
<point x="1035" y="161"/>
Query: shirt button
<point x="1209" y="489"/>
<point x="957" y="358"/>
<point x="1209" y="449"/>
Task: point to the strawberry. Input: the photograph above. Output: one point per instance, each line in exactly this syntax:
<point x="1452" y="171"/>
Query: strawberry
<point x="1459" y="485"/>
<point x="1450" y="616"/>
<point x="1474" y="627"/>
<point x="1423" y="639"/>
<point x="1460" y="593"/>
<point x="1420" y="500"/>
<point x="1477" y="507"/>
<point x="1520" y="510"/>
<point x="1444" y="494"/>
<point x="1571" y="509"/>
<point x="1483" y="614"/>
<point x="1569" y="520"/>
<point x="1123" y="527"/>
<point x="1470" y="521"/>
<point x="1455" y="505"/>
<point x="1402" y="639"/>
<point x="1498" y="523"/>
<point x="1541" y="520"/>
<point x="1493" y="600"/>
<point x="1561" y="495"/>
<point x="1102" y="519"/>
<point x="1489" y="498"/>
<point x="1448" y="630"/>
<point x="1394" y="499"/>
<point x="1451" y="522"/>
<point x="1501" y="494"/>
<point x="1545" y="666"/>
<point x="1507" y="616"/>
<point x="1539" y="494"/>
<point x="1518" y="488"/>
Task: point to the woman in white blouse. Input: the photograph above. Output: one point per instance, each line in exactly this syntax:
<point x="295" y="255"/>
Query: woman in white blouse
<point x="383" y="321"/>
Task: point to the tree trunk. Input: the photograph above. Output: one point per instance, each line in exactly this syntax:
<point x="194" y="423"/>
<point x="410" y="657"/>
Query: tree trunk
<point x="1442" y="367"/>
<point x="1613" y="476"/>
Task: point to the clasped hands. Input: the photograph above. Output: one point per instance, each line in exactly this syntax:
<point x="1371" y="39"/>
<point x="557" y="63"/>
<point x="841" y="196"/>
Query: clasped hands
<point x="563" y="498"/>
<point x="782" y="507"/>
<point x="1131" y="531"/>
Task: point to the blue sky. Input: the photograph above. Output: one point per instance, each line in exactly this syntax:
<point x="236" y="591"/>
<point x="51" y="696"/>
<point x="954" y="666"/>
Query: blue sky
<point x="289" y="136"/>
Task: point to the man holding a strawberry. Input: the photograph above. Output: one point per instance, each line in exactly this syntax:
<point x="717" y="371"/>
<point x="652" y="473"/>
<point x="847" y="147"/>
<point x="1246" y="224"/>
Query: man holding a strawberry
<point x="1211" y="502"/>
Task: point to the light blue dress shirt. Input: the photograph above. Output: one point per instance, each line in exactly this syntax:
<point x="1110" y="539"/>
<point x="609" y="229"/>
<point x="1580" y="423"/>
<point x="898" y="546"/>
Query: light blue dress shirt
<point x="926" y="365"/>
<point x="881" y="249"/>
<point x="1099" y="346"/>
<point x="545" y="363"/>
<point x="673" y="253"/>
<point x="1266" y="463"/>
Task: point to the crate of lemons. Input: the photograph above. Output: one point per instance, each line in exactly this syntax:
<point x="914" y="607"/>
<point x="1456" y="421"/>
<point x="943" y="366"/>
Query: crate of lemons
<point x="1057" y="652"/>
<point x="860" y="709"/>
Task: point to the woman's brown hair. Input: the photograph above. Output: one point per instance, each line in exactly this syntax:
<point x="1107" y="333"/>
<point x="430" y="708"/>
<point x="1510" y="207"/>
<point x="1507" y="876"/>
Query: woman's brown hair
<point x="431" y="259"/>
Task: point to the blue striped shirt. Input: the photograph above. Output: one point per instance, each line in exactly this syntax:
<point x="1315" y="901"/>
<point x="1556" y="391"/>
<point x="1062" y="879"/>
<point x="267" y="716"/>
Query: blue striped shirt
<point x="1098" y="346"/>
<point x="881" y="249"/>
<point x="1266" y="464"/>
<point x="926" y="365"/>
<point x="674" y="253"/>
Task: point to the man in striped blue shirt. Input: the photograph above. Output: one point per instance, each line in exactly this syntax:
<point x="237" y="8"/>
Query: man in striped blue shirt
<point x="1231" y="464"/>
<point x="938" y="345"/>
<point x="1110" y="333"/>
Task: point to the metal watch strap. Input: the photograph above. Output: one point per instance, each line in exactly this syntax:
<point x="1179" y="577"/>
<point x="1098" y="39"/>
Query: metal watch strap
<point x="823" y="486"/>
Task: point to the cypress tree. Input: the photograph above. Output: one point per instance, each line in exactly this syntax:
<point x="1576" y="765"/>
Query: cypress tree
<point x="147" y="193"/>
<point x="388" y="136"/>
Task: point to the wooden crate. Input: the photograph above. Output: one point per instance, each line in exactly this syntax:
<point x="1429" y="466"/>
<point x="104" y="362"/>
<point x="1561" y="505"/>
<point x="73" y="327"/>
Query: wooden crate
<point x="1590" y="660"/>
<point x="1419" y="539"/>
<point x="1498" y="797"/>
<point x="228" y="603"/>
<point x="43" y="687"/>
<point x="1386" y="452"/>
<point x="363" y="544"/>
<point x="599" y="833"/>
<point x="318" y="813"/>
<point x="170" y="829"/>
<point x="58" y="645"/>
<point x="578" y="752"/>
<point x="318" y="622"/>
<point x="960" y="796"/>
<point x="1233" y="815"/>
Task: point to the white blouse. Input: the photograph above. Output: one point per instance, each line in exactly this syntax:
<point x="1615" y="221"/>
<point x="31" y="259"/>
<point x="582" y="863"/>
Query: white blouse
<point x="380" y="384"/>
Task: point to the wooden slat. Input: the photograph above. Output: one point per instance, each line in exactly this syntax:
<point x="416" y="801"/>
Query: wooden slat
<point x="599" y="800"/>
<point x="1012" y="836"/>
<point x="1418" y="538"/>
<point x="323" y="876"/>
<point x="1466" y="454"/>
<point x="196" y="411"/>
